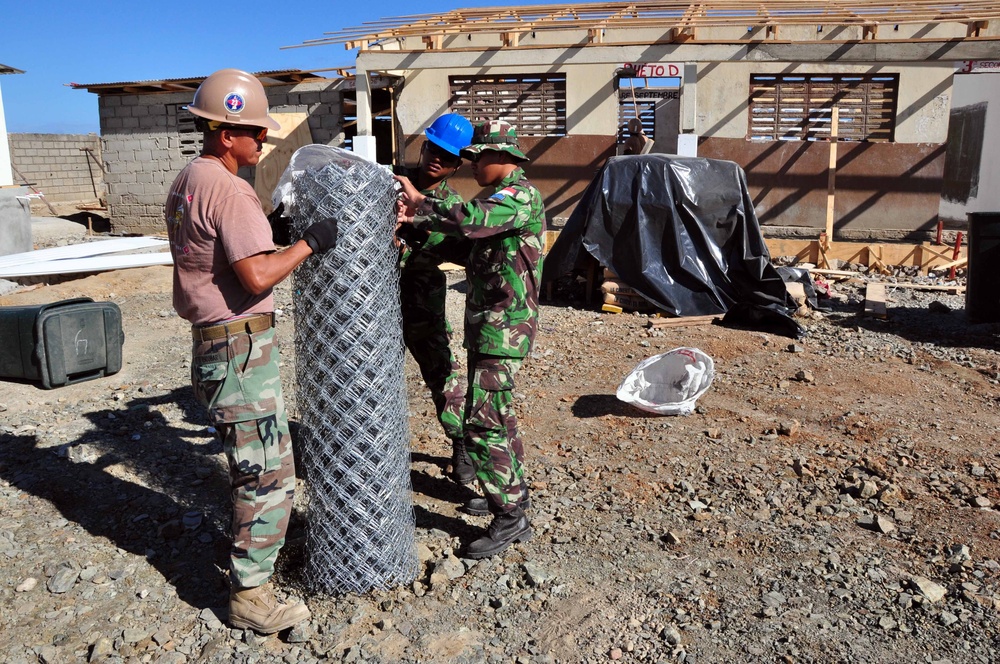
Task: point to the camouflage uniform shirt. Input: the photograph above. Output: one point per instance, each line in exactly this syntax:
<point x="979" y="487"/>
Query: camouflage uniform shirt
<point x="431" y="248"/>
<point x="505" y="262"/>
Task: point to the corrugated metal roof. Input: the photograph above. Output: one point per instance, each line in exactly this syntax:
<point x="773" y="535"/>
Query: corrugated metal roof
<point x="274" y="77"/>
<point x="5" y="69"/>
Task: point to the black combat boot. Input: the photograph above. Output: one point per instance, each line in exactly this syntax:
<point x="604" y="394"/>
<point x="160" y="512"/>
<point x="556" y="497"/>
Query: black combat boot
<point x="481" y="507"/>
<point x="462" y="471"/>
<point x="504" y="530"/>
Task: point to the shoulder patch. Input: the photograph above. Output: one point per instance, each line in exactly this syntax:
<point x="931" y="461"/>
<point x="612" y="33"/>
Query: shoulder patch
<point x="503" y="193"/>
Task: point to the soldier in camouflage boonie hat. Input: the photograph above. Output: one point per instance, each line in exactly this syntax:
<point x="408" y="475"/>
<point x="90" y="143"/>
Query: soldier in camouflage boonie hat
<point x="494" y="135"/>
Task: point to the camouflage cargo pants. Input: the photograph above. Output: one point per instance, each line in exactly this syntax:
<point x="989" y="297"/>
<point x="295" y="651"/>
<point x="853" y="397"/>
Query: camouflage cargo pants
<point x="237" y="379"/>
<point x="491" y="435"/>
<point x="427" y="335"/>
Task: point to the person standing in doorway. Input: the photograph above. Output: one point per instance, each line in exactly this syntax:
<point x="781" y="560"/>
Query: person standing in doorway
<point x="637" y="141"/>
<point x="501" y="317"/>
<point x="225" y="266"/>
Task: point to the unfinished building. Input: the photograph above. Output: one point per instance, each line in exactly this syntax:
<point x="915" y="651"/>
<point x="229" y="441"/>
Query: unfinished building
<point x="764" y="84"/>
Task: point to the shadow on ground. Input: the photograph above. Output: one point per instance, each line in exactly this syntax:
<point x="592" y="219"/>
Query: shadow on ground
<point x="86" y="481"/>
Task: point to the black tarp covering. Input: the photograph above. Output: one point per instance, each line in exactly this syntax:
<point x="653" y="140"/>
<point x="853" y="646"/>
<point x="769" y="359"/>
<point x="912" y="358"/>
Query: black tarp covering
<point x="679" y="230"/>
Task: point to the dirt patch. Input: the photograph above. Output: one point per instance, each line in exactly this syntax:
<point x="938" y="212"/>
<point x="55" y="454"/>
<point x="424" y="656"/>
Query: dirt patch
<point x="789" y="518"/>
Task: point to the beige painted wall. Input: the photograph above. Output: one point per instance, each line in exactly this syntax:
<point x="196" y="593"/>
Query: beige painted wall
<point x="922" y="111"/>
<point x="591" y="103"/>
<point x="723" y="90"/>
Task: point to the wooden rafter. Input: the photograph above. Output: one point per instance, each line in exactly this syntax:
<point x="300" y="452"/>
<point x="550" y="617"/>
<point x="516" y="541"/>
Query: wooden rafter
<point x="684" y="18"/>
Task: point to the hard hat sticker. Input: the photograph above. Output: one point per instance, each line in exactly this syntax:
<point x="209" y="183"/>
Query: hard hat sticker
<point x="234" y="102"/>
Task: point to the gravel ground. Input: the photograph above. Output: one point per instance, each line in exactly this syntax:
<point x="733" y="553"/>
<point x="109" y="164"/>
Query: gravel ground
<point x="832" y="499"/>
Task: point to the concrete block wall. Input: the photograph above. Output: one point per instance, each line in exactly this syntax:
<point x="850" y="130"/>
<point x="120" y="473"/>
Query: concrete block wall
<point x="58" y="166"/>
<point x="149" y="138"/>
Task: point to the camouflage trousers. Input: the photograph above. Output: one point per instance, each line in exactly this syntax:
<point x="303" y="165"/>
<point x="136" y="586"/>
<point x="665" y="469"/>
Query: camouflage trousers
<point x="237" y="379"/>
<point x="491" y="435"/>
<point x="427" y="335"/>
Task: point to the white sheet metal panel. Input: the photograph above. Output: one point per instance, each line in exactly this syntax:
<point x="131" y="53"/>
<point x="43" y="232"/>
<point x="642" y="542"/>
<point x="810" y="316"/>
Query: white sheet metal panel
<point x="95" y="248"/>
<point x="87" y="264"/>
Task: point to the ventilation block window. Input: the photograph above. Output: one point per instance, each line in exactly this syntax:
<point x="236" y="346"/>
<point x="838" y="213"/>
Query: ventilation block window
<point x="183" y="122"/>
<point x="800" y="107"/>
<point x="534" y="103"/>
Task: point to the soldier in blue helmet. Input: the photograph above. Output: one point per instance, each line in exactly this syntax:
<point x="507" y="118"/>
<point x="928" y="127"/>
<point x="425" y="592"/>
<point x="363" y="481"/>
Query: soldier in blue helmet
<point x="501" y="319"/>
<point x="423" y="285"/>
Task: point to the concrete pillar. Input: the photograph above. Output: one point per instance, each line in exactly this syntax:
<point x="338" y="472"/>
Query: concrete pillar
<point x="689" y="99"/>
<point x="15" y="221"/>
<point x="364" y="141"/>
<point x="6" y="174"/>
<point x="687" y="141"/>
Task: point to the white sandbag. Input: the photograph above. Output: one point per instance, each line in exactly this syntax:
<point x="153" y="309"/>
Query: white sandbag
<point x="669" y="383"/>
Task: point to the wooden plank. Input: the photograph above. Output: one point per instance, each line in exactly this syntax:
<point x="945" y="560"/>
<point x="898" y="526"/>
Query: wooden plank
<point x="681" y="16"/>
<point x="831" y="178"/>
<point x="683" y="321"/>
<point x="796" y="290"/>
<point x="951" y="290"/>
<point x="890" y="253"/>
<point x="961" y="262"/>
<point x="875" y="300"/>
<point x="549" y="240"/>
<point x="845" y="274"/>
<point x="809" y="251"/>
<point x="277" y="152"/>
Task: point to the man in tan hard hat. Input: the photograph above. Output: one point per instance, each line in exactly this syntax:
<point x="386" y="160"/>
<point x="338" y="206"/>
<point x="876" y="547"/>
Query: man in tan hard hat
<point x="225" y="265"/>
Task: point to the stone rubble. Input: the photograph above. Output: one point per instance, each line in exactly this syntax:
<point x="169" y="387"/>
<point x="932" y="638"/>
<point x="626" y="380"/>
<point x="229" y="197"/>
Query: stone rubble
<point x="831" y="499"/>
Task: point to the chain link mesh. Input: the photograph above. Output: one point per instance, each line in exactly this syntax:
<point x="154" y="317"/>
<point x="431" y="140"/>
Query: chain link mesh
<point x="354" y="436"/>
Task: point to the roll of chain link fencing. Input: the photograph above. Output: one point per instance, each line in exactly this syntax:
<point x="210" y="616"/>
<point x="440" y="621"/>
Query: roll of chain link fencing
<point x="351" y="392"/>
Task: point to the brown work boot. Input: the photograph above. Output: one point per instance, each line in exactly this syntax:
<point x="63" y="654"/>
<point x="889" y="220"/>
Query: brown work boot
<point x="257" y="609"/>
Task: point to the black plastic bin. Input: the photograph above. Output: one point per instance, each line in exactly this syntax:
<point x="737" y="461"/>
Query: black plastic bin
<point x="982" y="287"/>
<point x="60" y="343"/>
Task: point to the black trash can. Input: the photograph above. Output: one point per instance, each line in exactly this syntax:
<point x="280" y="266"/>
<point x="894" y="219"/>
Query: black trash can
<point x="982" y="287"/>
<point x="61" y="342"/>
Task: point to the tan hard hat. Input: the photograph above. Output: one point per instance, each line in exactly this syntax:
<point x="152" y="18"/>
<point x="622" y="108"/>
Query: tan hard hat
<point x="234" y="97"/>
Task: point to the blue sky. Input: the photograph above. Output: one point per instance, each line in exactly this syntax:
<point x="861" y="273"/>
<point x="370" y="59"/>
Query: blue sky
<point x="57" y="42"/>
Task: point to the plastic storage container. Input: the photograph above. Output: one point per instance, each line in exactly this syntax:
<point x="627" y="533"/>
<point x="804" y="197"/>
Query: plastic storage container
<point x="982" y="285"/>
<point x="60" y="343"/>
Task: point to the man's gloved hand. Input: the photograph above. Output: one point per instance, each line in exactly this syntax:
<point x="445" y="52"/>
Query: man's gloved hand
<point x="281" y="226"/>
<point x="321" y="236"/>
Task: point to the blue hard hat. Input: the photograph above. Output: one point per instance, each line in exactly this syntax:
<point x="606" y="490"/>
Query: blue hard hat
<point x="450" y="132"/>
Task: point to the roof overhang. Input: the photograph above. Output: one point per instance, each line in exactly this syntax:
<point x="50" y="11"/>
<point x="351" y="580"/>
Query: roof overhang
<point x="280" y="77"/>
<point x="861" y="52"/>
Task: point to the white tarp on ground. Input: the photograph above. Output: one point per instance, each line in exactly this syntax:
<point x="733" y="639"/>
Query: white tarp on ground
<point x="96" y="256"/>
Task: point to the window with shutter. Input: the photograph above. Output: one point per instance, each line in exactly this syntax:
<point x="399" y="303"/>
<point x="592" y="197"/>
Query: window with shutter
<point x="534" y="103"/>
<point x="799" y="107"/>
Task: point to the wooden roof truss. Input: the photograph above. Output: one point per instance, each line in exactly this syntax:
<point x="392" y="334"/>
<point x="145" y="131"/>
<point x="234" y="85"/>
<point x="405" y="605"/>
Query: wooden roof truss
<point x="682" y="19"/>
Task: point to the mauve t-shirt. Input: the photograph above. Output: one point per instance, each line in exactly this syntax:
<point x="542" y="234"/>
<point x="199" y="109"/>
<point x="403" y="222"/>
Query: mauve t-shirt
<point x="214" y="219"/>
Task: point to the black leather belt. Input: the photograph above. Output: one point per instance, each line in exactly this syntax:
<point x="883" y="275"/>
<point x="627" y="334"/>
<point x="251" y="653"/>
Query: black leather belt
<point x="250" y="325"/>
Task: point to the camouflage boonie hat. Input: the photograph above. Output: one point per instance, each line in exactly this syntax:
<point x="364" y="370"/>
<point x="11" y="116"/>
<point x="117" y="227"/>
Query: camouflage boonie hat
<point x="494" y="135"/>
